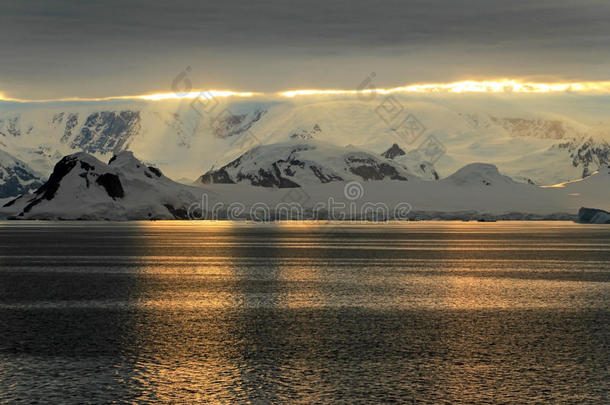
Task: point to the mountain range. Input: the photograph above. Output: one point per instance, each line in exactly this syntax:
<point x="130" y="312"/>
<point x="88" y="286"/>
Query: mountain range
<point x="315" y="179"/>
<point x="300" y="144"/>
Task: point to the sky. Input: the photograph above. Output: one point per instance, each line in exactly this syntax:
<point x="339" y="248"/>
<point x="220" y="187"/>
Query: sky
<point x="52" y="49"/>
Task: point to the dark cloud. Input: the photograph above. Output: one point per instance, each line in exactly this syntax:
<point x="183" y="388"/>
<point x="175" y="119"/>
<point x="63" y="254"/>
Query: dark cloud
<point x="62" y="47"/>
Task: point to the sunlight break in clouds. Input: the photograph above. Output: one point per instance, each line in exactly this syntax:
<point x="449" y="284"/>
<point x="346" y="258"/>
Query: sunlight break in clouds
<point x="196" y="94"/>
<point x="472" y="86"/>
<point x="465" y="86"/>
<point x="151" y="97"/>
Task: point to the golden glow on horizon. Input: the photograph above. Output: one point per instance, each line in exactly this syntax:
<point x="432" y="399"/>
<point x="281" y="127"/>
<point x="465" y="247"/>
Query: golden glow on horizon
<point x="506" y="86"/>
<point x="470" y="86"/>
<point x="197" y="94"/>
<point x="151" y="97"/>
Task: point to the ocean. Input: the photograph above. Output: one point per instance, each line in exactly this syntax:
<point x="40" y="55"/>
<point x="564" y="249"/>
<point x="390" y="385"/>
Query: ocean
<point x="288" y="312"/>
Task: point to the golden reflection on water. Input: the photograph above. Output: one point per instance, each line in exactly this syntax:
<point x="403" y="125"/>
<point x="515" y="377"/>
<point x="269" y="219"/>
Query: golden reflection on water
<point x="234" y="341"/>
<point x="225" y="312"/>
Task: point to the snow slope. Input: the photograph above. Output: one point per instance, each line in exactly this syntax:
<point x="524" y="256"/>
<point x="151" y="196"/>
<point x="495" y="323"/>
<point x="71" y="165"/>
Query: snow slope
<point x="592" y="191"/>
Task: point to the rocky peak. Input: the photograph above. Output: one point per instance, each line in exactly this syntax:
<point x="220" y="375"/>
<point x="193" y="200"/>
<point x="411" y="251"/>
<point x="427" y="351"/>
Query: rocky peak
<point x="394" y="151"/>
<point x="306" y="134"/>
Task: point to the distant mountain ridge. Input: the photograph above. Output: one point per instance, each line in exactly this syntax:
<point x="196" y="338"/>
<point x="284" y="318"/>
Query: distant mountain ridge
<point x="186" y="142"/>
<point x="100" y="132"/>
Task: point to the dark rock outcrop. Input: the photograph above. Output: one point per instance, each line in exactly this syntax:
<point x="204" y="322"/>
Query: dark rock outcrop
<point x="394" y="151"/>
<point x="593" y="216"/>
<point x="370" y="169"/>
<point x="306" y="134"/>
<point x="178" y="213"/>
<point x="228" y="125"/>
<point x="588" y="154"/>
<point x="216" y="177"/>
<point x="156" y="171"/>
<point x="62" y="168"/>
<point x="112" y="185"/>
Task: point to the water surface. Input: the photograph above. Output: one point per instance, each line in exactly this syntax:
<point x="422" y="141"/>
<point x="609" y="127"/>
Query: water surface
<point x="302" y="313"/>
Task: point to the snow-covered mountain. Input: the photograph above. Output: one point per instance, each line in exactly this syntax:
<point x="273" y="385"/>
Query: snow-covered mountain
<point x="16" y="177"/>
<point x="539" y="144"/>
<point x="477" y="191"/>
<point x="302" y="162"/>
<point x="83" y="187"/>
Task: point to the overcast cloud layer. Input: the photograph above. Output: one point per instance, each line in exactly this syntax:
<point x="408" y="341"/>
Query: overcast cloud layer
<point x="63" y="48"/>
